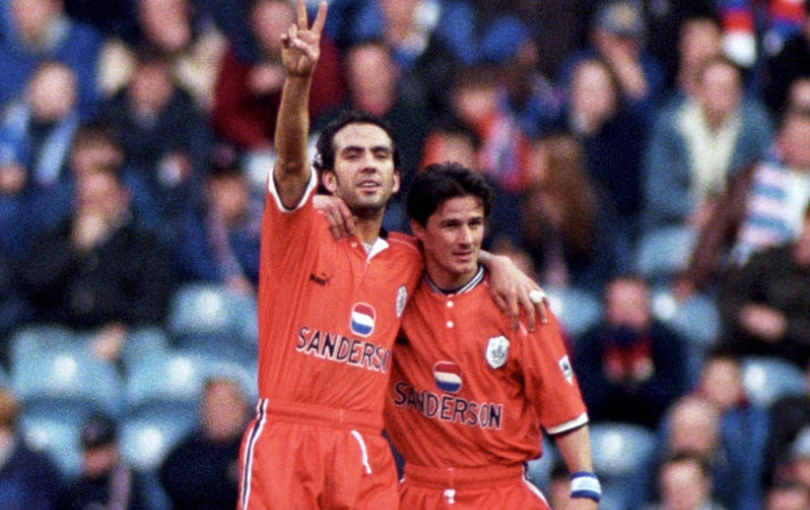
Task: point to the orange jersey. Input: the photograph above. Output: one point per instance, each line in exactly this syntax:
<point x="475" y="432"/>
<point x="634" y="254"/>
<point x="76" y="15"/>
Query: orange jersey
<point x="467" y="391"/>
<point x="328" y="312"/>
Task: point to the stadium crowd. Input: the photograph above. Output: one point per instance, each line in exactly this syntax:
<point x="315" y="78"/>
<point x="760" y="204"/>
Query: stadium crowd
<point x="651" y="160"/>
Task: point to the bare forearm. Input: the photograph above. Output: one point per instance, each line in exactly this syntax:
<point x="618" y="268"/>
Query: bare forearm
<point x="300" y="51"/>
<point x="292" y="125"/>
<point x="291" y="171"/>
<point x="575" y="449"/>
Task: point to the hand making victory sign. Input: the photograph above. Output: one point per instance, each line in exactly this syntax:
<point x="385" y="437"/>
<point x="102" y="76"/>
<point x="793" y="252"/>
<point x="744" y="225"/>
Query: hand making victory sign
<point x="300" y="46"/>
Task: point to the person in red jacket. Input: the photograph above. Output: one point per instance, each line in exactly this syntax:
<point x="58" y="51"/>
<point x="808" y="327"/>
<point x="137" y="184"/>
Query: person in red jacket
<point x="247" y="95"/>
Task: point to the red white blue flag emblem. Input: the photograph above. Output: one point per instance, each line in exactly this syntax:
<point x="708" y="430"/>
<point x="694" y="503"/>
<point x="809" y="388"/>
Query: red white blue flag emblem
<point x="448" y="376"/>
<point x="362" y="319"/>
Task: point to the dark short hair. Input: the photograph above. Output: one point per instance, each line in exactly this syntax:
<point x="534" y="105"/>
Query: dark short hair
<point x="325" y="156"/>
<point x="440" y="182"/>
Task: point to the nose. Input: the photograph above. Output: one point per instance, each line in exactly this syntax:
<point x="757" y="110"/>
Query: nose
<point x="369" y="163"/>
<point x="465" y="236"/>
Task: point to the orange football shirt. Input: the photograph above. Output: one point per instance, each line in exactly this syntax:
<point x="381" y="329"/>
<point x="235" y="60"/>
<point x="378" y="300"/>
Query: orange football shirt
<point x="328" y="312"/>
<point x="467" y="391"/>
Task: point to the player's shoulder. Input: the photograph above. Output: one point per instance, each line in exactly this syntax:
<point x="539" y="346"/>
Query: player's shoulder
<point x="404" y="242"/>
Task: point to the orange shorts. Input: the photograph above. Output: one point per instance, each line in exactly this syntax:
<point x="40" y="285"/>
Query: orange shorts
<point x="491" y="487"/>
<point x="296" y="456"/>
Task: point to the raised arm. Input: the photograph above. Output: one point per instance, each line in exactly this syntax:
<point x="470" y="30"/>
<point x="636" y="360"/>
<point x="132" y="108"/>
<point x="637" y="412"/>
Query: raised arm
<point x="299" y="53"/>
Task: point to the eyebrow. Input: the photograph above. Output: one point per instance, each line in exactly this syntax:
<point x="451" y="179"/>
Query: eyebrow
<point x="358" y="148"/>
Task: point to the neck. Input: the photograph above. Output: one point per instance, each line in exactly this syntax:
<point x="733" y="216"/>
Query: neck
<point x="368" y="230"/>
<point x="453" y="284"/>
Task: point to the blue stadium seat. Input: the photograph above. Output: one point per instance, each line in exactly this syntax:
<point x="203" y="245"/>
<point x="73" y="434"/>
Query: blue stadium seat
<point x="663" y="252"/>
<point x="36" y="337"/>
<point x="620" y="450"/>
<point x="53" y="365"/>
<point x="178" y="375"/>
<point x="149" y="432"/>
<point x="202" y="309"/>
<point x="142" y="344"/>
<point x="696" y="318"/>
<point x="175" y="376"/>
<point x="766" y="379"/>
<point x="577" y="309"/>
<point x="54" y="427"/>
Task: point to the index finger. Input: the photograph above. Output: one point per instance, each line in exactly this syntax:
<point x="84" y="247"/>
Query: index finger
<point x="320" y="18"/>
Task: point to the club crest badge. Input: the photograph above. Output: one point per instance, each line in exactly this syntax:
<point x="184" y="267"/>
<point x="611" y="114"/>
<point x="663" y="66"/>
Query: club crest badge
<point x="402" y="300"/>
<point x="497" y="351"/>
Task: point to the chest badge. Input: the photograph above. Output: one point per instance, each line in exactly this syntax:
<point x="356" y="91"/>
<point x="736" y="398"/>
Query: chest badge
<point x="447" y="376"/>
<point x="497" y="351"/>
<point x="363" y="319"/>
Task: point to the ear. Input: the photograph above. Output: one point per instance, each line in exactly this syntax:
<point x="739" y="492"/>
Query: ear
<point x="395" y="187"/>
<point x="418" y="230"/>
<point x="329" y="181"/>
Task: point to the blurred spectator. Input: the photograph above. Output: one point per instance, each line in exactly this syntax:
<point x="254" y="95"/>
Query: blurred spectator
<point x="36" y="133"/>
<point x="429" y="39"/>
<point x="762" y="206"/>
<point x="765" y="303"/>
<point x="179" y="33"/>
<point x="422" y="34"/>
<point x="40" y="30"/>
<point x="37" y="129"/>
<point x="165" y="140"/>
<point x="692" y="425"/>
<point x="94" y="145"/>
<point x="614" y="137"/>
<point x="685" y="483"/>
<point x="799" y="94"/>
<point x="450" y="139"/>
<point x="247" y="93"/>
<point x="220" y="243"/>
<point x="789" y="415"/>
<point x="700" y="39"/>
<point x="563" y="21"/>
<point x="407" y="113"/>
<point x="787" y="496"/>
<point x="792" y="61"/>
<point x="529" y="95"/>
<point x="743" y="424"/>
<point x="617" y="37"/>
<point x="698" y="142"/>
<point x="503" y="154"/>
<point x="665" y="22"/>
<point x="630" y="366"/>
<point x="29" y="479"/>
<point x="795" y="467"/>
<point x="202" y="471"/>
<point x="97" y="271"/>
<point x="567" y="224"/>
<point x="106" y="481"/>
